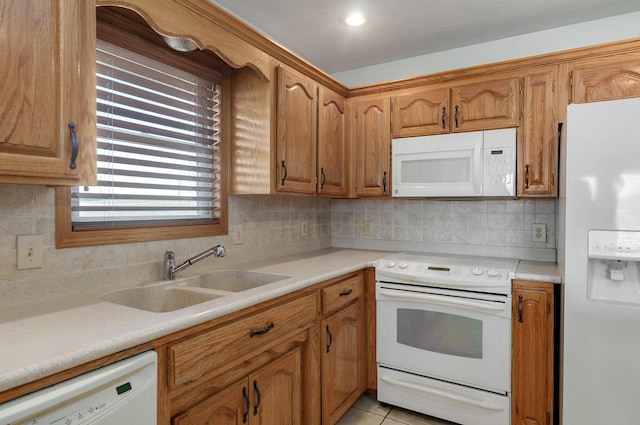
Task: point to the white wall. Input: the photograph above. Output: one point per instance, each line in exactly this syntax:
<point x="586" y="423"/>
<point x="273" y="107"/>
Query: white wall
<point x="599" y="31"/>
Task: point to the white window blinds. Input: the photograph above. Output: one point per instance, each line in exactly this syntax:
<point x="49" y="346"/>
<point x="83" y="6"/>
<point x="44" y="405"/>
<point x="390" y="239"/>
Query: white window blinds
<point x="158" y="145"/>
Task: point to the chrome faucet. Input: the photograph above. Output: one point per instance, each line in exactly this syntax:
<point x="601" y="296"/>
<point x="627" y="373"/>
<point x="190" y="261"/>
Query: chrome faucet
<point x="170" y="268"/>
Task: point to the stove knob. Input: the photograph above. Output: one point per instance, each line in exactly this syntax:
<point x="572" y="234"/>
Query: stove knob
<point x="403" y="264"/>
<point x="493" y="272"/>
<point x="476" y="271"/>
<point x="391" y="264"/>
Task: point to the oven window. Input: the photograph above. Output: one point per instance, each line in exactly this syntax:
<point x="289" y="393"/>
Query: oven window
<point x="440" y="332"/>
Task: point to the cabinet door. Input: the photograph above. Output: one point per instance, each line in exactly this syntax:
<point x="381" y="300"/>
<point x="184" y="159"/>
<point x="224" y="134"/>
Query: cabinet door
<point x="532" y="374"/>
<point x="342" y="362"/>
<point x="277" y="391"/>
<point x="485" y="105"/>
<point x="373" y="147"/>
<point x="606" y="78"/>
<point x="47" y="81"/>
<point x="421" y="113"/>
<point x="332" y="144"/>
<point x="230" y="406"/>
<point x="296" y="132"/>
<point x="538" y="144"/>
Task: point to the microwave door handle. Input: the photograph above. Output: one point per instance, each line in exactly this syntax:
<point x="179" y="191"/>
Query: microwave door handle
<point x="477" y="167"/>
<point x="461" y="398"/>
<point x="444" y="300"/>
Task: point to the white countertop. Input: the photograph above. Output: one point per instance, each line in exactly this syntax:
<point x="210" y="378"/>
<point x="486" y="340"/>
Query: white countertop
<point x="538" y="271"/>
<point x="44" y="338"/>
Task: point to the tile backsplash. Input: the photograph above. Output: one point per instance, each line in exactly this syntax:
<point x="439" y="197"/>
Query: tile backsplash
<point x="501" y="228"/>
<point x="271" y="227"/>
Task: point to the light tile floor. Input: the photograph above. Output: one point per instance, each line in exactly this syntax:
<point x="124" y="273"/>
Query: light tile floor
<point x="367" y="411"/>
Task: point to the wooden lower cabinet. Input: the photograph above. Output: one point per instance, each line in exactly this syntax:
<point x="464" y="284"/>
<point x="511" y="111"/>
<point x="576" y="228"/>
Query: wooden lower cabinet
<point x="343" y="360"/>
<point x="272" y="395"/>
<point x="533" y="353"/>
<point x="296" y="360"/>
<point x="341" y="365"/>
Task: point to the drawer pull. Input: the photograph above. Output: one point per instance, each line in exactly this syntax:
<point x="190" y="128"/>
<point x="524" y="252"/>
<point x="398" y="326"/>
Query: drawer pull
<point x="346" y="293"/>
<point x="262" y="331"/>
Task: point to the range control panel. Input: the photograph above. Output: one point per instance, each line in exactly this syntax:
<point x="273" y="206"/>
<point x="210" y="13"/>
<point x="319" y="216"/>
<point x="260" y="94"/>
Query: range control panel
<point x="459" y="272"/>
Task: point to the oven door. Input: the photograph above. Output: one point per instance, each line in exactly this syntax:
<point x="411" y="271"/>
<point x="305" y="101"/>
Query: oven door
<point x="456" y="336"/>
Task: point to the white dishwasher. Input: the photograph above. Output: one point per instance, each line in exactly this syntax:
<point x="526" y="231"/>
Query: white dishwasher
<point x="122" y="393"/>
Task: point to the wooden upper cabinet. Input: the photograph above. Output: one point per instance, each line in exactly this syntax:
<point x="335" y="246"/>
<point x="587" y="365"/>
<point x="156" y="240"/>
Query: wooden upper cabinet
<point x="606" y="78"/>
<point x="538" y="135"/>
<point x="485" y="105"/>
<point x="332" y="143"/>
<point x="47" y="84"/>
<point x="297" y="107"/>
<point x="373" y="146"/>
<point x="420" y="113"/>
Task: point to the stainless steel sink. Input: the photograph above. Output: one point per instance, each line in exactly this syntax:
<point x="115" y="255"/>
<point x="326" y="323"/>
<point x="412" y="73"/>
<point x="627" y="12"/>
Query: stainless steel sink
<point x="233" y="280"/>
<point x="159" y="298"/>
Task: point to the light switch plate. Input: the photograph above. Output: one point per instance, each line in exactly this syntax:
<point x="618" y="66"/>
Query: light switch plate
<point x="238" y="234"/>
<point x="28" y="252"/>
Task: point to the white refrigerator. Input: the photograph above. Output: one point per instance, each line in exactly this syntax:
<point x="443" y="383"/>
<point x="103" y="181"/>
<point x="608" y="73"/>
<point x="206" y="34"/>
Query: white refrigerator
<point x="599" y="258"/>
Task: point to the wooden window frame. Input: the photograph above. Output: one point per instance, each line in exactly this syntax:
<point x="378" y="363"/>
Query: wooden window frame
<point x="126" y="29"/>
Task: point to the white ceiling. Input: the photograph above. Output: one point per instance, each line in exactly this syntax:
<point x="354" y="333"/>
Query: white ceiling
<point x="398" y="29"/>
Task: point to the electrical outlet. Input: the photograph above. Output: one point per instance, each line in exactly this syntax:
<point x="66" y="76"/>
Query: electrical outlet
<point x="368" y="228"/>
<point x="28" y="252"/>
<point x="238" y="234"/>
<point x="539" y="233"/>
<point x="303" y="228"/>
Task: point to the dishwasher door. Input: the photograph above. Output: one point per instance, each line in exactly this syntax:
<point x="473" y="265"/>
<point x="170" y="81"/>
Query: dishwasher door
<point x="118" y="394"/>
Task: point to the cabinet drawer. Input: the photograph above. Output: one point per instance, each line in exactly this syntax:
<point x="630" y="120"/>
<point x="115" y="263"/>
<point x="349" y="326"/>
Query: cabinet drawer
<point x="193" y="357"/>
<point x="341" y="293"/>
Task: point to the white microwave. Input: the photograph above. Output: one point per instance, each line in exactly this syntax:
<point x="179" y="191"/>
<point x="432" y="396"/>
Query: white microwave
<point x="473" y="164"/>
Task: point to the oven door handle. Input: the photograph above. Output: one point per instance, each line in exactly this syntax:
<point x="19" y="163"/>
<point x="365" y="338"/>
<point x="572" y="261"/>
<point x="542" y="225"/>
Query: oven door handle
<point x="445" y="300"/>
<point x="422" y="388"/>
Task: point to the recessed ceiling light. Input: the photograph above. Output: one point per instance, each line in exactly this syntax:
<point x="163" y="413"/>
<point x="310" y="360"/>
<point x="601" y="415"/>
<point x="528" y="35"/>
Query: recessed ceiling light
<point x="355" y="19"/>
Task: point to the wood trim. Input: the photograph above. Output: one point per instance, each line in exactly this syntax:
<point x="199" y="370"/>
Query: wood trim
<point x="237" y="29"/>
<point x="504" y="67"/>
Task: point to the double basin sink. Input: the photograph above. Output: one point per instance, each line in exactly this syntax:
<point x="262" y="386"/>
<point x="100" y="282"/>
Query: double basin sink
<point x="177" y="294"/>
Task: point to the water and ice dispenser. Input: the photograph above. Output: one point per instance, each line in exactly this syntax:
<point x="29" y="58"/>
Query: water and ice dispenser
<point x="614" y="267"/>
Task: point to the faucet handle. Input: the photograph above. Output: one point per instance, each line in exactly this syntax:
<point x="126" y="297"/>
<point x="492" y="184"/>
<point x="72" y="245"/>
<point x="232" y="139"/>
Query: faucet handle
<point x="219" y="251"/>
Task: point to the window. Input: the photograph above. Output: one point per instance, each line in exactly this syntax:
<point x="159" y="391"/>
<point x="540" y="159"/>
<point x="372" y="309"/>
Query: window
<point x="160" y="159"/>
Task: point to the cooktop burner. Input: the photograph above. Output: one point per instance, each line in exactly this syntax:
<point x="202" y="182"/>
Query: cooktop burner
<point x="480" y="274"/>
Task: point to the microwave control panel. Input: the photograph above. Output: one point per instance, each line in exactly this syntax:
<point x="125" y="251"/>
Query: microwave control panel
<point x="498" y="163"/>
